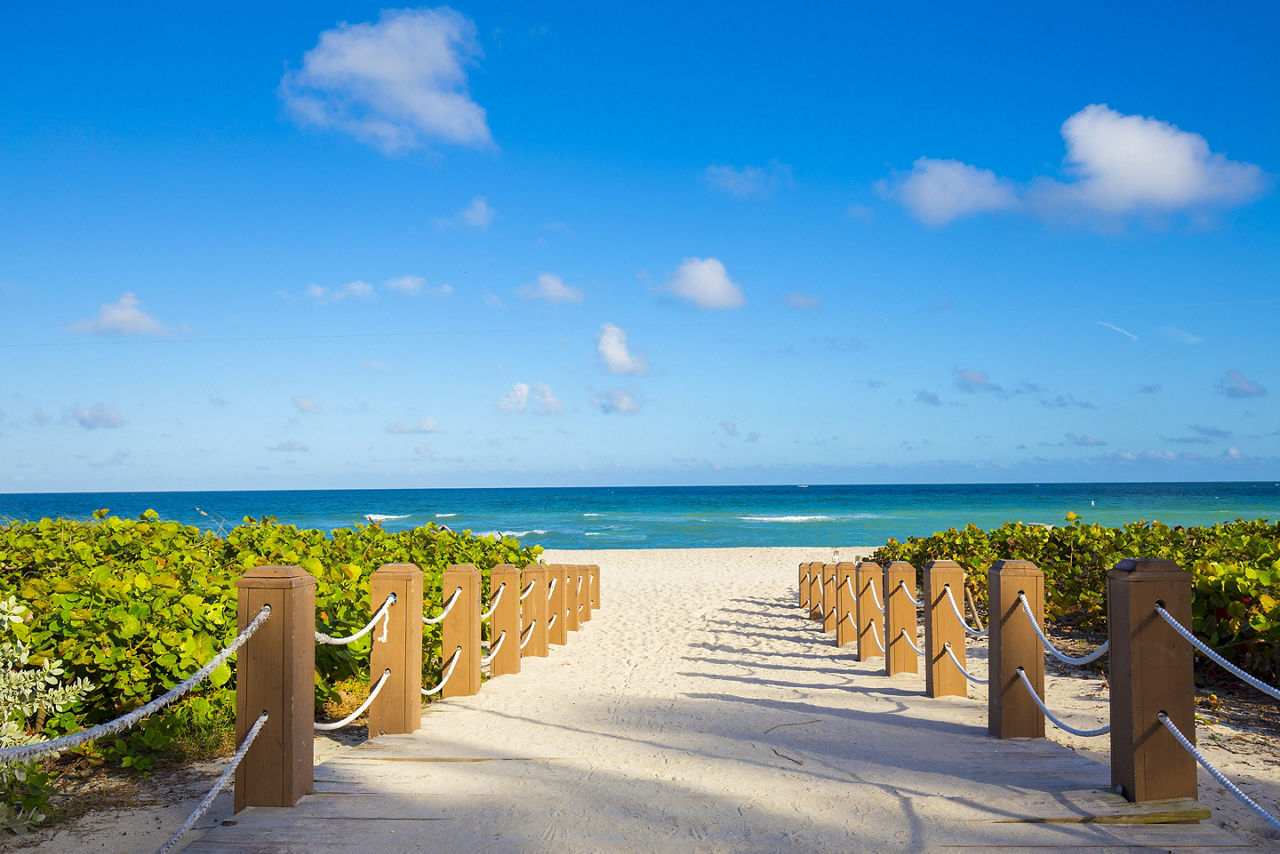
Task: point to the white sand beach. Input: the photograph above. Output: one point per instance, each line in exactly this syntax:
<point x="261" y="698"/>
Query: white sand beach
<point x="698" y="710"/>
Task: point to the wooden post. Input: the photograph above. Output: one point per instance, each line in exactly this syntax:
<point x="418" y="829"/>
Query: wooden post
<point x="572" y="596"/>
<point x="275" y="673"/>
<point x="1012" y="643"/>
<point x="584" y="601"/>
<point x="398" y="707"/>
<point x="828" y="596"/>
<point x="461" y="629"/>
<point x="869" y="577"/>
<point x="594" y="569"/>
<point x="804" y="585"/>
<point x="506" y="618"/>
<point x="899" y="615"/>
<point x="557" y="627"/>
<point x="846" y="605"/>
<point x="1151" y="672"/>
<point x="941" y="627"/>
<point x="815" y="590"/>
<point x="534" y="611"/>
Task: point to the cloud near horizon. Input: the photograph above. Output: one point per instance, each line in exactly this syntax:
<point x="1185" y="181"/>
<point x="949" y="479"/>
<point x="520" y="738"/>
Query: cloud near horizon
<point x="540" y="400"/>
<point x="122" y="317"/>
<point x="395" y="85"/>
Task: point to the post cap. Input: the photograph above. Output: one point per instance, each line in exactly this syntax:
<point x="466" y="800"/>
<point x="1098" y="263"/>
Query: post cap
<point x="1146" y="569"/>
<point x="275" y="578"/>
<point x="1007" y="568"/>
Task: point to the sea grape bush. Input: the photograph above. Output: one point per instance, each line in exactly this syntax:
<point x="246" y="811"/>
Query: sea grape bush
<point x="136" y="606"/>
<point x="1234" y="566"/>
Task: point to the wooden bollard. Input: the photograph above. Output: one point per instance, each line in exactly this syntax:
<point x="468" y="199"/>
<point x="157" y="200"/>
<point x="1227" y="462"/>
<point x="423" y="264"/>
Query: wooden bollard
<point x="594" y="570"/>
<point x="899" y="615"/>
<point x="460" y="633"/>
<point x="572" y="597"/>
<point x="398" y="706"/>
<point x="1151" y="672"/>
<point x="557" y="626"/>
<point x="815" y="590"/>
<point x="846" y="605"/>
<point x="584" y="600"/>
<point x="275" y="673"/>
<point x="868" y="579"/>
<point x="534" y="611"/>
<point x="803" y="586"/>
<point x="828" y="597"/>
<point x="941" y="627"/>
<point x="1012" y="644"/>
<point x="506" y="618"/>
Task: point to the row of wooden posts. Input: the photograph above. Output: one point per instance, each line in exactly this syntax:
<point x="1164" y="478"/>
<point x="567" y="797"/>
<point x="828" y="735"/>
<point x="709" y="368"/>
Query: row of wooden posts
<point x="1150" y="665"/>
<point x="275" y="669"/>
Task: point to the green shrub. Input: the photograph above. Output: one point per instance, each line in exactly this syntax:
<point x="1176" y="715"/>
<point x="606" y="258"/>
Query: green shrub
<point x="1234" y="566"/>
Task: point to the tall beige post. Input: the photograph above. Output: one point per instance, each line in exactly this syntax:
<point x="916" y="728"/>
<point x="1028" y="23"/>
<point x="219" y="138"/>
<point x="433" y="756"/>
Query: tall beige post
<point x="534" y="610"/>
<point x="594" y="569"/>
<point x="572" y="596"/>
<point x="815" y="590"/>
<point x="803" y="588"/>
<point x="942" y="627"/>
<point x="899" y="616"/>
<point x="398" y="707"/>
<point x="460" y="633"/>
<point x="506" y="618"/>
<point x="275" y="673"/>
<point x="846" y="605"/>
<point x="828" y="597"/>
<point x="868" y="579"/>
<point x="557" y="581"/>
<point x="1013" y="644"/>
<point x="584" y="599"/>
<point x="1151" y="672"/>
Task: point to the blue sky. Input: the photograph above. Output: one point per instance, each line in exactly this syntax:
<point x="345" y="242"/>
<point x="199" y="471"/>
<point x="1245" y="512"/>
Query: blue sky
<point x="341" y="245"/>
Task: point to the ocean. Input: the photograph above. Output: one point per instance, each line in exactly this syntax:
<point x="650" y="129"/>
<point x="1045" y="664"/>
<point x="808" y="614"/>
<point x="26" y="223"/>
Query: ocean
<point x="686" y="516"/>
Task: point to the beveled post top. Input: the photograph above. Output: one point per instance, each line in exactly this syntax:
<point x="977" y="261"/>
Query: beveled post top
<point x="397" y="570"/>
<point x="1008" y="568"/>
<point x="899" y="565"/>
<point x="845" y="564"/>
<point x="463" y="568"/>
<point x="276" y="578"/>
<point x="868" y="564"/>
<point x="942" y="564"/>
<point x="1147" y="569"/>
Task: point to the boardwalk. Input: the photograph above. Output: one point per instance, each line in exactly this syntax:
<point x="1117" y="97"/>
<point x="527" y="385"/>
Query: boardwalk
<point x="700" y="714"/>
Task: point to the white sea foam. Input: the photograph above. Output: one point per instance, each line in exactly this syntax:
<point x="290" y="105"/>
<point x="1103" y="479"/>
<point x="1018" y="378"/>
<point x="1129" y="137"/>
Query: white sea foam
<point x="785" y="518"/>
<point x="516" y="534"/>
<point x="382" y="517"/>
<point x="445" y="515"/>
<point x="594" y="534"/>
<point x="590" y="514"/>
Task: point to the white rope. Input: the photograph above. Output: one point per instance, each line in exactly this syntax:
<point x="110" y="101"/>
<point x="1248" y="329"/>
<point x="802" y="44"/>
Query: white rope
<point x="551" y="588"/>
<point x="848" y="582"/>
<point x="1087" y="733"/>
<point x="448" y="606"/>
<point x="484" y="615"/>
<point x="447" y="673"/>
<point x="911" y="643"/>
<point x="23" y="752"/>
<point x="914" y="601"/>
<point x="875" y="598"/>
<point x="358" y="712"/>
<point x="967" y="675"/>
<point x="1217" y="659"/>
<point x="959" y="616"/>
<point x="875" y="635"/>
<point x="1049" y="648"/>
<point x="218" y="785"/>
<point x="484" y="661"/>
<point x="528" y="635"/>
<point x="1216" y="774"/>
<point x="383" y="613"/>
<point x="529" y="589"/>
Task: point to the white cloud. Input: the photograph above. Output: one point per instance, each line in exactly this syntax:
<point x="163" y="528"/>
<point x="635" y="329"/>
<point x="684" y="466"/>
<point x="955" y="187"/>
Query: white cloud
<point x="940" y="191"/>
<point x="550" y="288"/>
<point x="303" y="403"/>
<point x="1125" y="332"/>
<point x="380" y="367"/>
<point x="123" y="317"/>
<point x="1173" y="333"/>
<point x="541" y="400"/>
<point x="407" y="285"/>
<point x="492" y="300"/>
<point x="395" y="85"/>
<point x="803" y="302"/>
<point x="478" y="214"/>
<point x="1236" y="384"/>
<point x="291" y="446"/>
<point x="975" y="381"/>
<point x="616" y="401"/>
<point x="1128" y="163"/>
<point x="1085" y="441"/>
<point x="351" y="290"/>
<point x="426" y="424"/>
<point x="749" y="181"/>
<point x="97" y="416"/>
<point x="705" y="283"/>
<point x="611" y="343"/>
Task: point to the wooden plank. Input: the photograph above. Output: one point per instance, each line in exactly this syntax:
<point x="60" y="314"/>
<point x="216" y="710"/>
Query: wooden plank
<point x="1102" y="807"/>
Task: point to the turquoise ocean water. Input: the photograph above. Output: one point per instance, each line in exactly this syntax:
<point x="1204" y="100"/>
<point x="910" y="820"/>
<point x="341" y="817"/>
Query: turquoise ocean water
<point x="688" y="516"/>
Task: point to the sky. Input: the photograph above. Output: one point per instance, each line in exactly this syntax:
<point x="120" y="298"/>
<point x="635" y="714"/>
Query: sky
<point x="342" y="245"/>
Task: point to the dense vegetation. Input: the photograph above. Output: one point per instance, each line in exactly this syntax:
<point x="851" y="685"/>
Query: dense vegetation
<point x="1235" y="570"/>
<point x="135" y="606"/>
